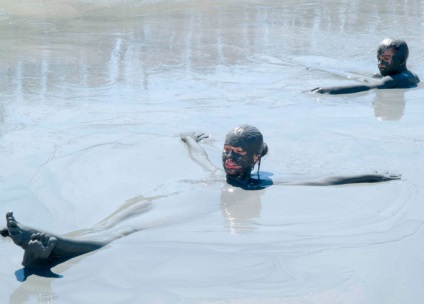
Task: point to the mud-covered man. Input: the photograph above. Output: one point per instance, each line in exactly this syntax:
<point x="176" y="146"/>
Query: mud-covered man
<point x="392" y="56"/>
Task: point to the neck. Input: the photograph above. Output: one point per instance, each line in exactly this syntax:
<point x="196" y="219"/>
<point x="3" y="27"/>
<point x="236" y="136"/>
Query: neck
<point x="239" y="181"/>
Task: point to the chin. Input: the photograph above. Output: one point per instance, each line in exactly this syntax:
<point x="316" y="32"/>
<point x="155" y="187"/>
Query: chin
<point x="233" y="172"/>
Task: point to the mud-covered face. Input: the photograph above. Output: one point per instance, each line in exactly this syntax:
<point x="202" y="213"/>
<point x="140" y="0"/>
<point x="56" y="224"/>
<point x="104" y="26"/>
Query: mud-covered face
<point x="386" y="64"/>
<point x="243" y="146"/>
<point x="237" y="162"/>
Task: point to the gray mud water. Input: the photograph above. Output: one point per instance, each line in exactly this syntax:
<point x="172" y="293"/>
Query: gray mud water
<point x="94" y="94"/>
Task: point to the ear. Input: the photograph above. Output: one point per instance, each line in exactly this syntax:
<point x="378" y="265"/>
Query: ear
<point x="256" y="158"/>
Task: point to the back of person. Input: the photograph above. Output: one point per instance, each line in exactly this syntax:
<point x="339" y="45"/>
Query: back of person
<point x="405" y="79"/>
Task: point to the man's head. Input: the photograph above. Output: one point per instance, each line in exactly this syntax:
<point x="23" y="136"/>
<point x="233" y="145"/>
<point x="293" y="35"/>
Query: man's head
<point x="392" y="56"/>
<point x="243" y="148"/>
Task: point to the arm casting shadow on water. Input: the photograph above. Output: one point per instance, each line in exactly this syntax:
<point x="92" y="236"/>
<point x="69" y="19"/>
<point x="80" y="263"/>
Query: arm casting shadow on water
<point x="199" y="155"/>
<point x="345" y="180"/>
<point x="387" y="82"/>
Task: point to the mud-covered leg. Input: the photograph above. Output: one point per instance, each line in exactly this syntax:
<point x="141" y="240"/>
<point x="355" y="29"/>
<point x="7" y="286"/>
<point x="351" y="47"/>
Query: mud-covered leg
<point x="20" y="234"/>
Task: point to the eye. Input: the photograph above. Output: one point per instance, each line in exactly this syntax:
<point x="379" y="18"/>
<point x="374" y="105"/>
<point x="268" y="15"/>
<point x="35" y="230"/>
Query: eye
<point x="240" y="151"/>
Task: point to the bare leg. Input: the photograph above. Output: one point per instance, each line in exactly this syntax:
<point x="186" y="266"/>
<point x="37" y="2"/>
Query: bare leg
<point x="20" y="234"/>
<point x="41" y="248"/>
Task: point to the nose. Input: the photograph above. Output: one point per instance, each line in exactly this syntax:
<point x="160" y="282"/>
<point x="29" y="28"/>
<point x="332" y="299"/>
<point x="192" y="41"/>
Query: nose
<point x="382" y="62"/>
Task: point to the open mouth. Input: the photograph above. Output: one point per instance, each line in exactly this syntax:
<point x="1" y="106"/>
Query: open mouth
<point x="229" y="164"/>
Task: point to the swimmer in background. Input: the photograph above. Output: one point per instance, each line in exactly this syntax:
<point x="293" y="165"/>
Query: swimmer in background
<point x="392" y="56"/>
<point x="244" y="148"/>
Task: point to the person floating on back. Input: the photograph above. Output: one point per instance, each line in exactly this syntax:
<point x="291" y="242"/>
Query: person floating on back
<point x="244" y="148"/>
<point x="392" y="56"/>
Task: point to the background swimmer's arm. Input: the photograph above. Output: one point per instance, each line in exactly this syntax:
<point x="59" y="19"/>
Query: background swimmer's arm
<point x="197" y="153"/>
<point x="342" y="89"/>
<point x="385" y="83"/>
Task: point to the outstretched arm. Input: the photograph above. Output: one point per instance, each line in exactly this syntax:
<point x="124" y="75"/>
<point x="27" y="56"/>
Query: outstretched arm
<point x="385" y="83"/>
<point x="347" y="180"/>
<point x="197" y="153"/>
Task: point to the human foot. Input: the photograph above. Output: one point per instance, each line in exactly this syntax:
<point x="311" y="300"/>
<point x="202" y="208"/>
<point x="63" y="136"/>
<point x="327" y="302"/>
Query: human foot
<point x="20" y="234"/>
<point x="38" y="250"/>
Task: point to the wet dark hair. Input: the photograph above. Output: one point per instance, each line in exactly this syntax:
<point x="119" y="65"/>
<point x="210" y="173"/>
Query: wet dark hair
<point x="400" y="47"/>
<point x="249" y="138"/>
<point x="264" y="149"/>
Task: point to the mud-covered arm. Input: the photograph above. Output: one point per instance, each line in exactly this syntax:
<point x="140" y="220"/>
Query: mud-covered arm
<point x="196" y="151"/>
<point x="385" y="83"/>
<point x="346" y="180"/>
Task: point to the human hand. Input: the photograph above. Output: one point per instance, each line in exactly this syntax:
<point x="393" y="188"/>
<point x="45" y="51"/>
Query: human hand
<point x="193" y="135"/>
<point x="321" y="90"/>
<point x="385" y="176"/>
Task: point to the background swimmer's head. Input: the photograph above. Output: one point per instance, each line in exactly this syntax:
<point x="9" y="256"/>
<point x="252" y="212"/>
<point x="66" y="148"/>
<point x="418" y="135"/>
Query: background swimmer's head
<point x="398" y="61"/>
<point x="243" y="148"/>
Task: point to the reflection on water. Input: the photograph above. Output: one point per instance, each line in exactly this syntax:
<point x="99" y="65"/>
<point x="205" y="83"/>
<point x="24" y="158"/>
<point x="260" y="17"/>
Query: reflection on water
<point x="1" y="115"/>
<point x="36" y="285"/>
<point x="240" y="208"/>
<point x="389" y="105"/>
